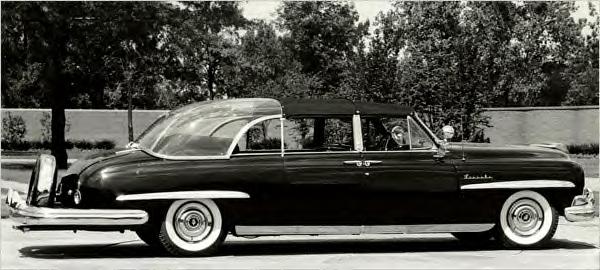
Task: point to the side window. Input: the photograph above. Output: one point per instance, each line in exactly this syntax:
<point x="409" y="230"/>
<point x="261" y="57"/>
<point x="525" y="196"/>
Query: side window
<point x="418" y="138"/>
<point x="263" y="137"/>
<point x="385" y="134"/>
<point x="318" y="134"/>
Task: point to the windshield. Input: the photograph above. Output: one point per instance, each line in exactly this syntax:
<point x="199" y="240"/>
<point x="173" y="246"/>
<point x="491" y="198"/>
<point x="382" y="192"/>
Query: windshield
<point x="205" y="128"/>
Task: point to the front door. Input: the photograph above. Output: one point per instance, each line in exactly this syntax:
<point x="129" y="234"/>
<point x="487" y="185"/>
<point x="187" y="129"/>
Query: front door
<point x="406" y="184"/>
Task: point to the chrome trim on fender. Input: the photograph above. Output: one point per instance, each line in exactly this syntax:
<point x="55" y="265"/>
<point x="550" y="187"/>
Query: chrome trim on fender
<point x="30" y="217"/>
<point x="582" y="207"/>
<point x="520" y="184"/>
<point x="366" y="229"/>
<point x="180" y="195"/>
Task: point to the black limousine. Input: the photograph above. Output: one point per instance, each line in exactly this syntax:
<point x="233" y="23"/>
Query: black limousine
<point x="256" y="167"/>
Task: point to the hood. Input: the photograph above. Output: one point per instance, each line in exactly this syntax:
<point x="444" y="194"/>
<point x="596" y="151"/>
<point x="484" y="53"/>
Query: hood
<point x="486" y="150"/>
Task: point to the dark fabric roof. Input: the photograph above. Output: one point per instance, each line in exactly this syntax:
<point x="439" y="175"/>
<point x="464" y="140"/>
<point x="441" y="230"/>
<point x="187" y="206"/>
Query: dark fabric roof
<point x="338" y="107"/>
<point x="382" y="109"/>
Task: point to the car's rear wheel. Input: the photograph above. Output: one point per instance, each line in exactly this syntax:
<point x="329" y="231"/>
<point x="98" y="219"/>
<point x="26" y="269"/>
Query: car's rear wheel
<point x="192" y="228"/>
<point x="150" y="236"/>
<point x="527" y="219"/>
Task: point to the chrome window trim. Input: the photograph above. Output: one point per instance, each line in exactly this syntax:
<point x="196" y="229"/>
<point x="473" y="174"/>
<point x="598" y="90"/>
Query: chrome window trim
<point x="520" y="184"/>
<point x="255" y="154"/>
<point x="219" y="126"/>
<point x="409" y="134"/>
<point x="168" y="157"/>
<point x="180" y="195"/>
<point x="427" y="130"/>
<point x="354" y="134"/>
<point x="245" y="129"/>
<point x="356" y="129"/>
<point x="357" y="133"/>
<point x="423" y="127"/>
<point x="281" y="119"/>
<point x="433" y="149"/>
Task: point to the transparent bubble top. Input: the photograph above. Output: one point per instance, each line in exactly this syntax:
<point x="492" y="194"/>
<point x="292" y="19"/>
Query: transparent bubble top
<point x="204" y="128"/>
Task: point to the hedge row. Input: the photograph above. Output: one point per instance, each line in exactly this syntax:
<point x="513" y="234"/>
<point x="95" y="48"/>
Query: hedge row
<point x="80" y="144"/>
<point x="586" y="148"/>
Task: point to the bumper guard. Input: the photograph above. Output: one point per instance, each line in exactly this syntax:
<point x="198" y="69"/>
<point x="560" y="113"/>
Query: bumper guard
<point x="582" y="207"/>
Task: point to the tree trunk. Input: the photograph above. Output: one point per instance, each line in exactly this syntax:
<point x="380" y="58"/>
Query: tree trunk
<point x="129" y="114"/>
<point x="56" y="84"/>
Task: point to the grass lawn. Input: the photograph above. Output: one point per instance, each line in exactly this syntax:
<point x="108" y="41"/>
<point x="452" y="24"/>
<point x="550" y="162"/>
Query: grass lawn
<point x="589" y="163"/>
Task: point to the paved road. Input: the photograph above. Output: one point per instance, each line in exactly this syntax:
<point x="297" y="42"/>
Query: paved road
<point x="575" y="246"/>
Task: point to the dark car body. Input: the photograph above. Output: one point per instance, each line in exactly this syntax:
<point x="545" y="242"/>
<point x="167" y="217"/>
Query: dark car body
<point x="366" y="186"/>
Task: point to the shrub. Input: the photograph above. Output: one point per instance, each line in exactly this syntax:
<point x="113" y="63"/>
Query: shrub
<point x="80" y="144"/>
<point x="19" y="145"/>
<point x="13" y="129"/>
<point x="83" y="144"/>
<point x="105" y="144"/>
<point x="585" y="148"/>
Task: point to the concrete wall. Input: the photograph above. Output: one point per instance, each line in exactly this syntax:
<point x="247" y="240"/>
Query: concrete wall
<point x="90" y="125"/>
<point x="509" y="125"/>
<point x="569" y="125"/>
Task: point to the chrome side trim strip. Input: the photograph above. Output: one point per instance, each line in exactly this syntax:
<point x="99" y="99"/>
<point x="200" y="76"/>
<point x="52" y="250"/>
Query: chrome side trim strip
<point x="180" y="195"/>
<point x="365" y="229"/>
<point x="520" y="184"/>
<point x="319" y="153"/>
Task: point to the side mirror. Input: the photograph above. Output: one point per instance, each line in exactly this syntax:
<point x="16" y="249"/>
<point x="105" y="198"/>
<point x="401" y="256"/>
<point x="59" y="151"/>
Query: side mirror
<point x="448" y="132"/>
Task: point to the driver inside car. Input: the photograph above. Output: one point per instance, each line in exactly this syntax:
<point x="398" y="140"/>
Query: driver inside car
<point x="398" y="139"/>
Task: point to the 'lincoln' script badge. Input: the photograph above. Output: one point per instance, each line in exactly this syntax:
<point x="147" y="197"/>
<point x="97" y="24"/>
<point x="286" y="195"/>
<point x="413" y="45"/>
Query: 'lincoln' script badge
<point x="478" y="177"/>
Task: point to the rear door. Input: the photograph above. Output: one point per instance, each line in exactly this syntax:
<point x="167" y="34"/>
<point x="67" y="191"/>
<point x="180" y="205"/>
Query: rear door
<point x="323" y="170"/>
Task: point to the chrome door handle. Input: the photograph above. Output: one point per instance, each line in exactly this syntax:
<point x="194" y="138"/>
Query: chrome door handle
<point x="358" y="163"/>
<point x="368" y="163"/>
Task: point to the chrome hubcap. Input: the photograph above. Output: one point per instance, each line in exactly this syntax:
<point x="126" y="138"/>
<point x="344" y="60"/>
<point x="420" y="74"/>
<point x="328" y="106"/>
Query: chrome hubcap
<point x="193" y="222"/>
<point x="525" y="217"/>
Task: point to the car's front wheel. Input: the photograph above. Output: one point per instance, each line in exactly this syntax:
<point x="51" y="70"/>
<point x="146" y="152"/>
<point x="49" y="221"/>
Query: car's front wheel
<point x="192" y="228"/>
<point x="527" y="219"/>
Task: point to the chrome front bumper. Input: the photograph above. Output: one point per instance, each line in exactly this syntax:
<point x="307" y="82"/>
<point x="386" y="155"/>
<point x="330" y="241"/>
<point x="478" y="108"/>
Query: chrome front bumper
<point x="582" y="208"/>
<point x="30" y="217"/>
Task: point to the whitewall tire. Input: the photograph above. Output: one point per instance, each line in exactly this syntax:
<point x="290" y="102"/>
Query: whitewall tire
<point x="527" y="219"/>
<point x="192" y="227"/>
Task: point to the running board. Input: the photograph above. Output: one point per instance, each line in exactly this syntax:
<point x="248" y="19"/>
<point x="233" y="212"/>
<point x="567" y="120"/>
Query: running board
<point x="365" y="229"/>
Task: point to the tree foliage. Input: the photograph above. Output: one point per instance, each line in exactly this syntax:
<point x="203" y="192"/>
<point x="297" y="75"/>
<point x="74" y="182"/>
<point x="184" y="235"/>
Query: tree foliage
<point x="450" y="60"/>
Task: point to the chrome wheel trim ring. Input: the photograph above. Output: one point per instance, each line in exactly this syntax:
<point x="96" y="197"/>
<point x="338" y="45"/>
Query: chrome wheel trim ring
<point x="193" y="222"/>
<point x="208" y="240"/>
<point x="525" y="217"/>
<point x="541" y="232"/>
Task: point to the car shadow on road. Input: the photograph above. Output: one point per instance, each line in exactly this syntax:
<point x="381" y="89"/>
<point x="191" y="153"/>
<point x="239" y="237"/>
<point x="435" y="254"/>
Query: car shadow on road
<point x="256" y="247"/>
